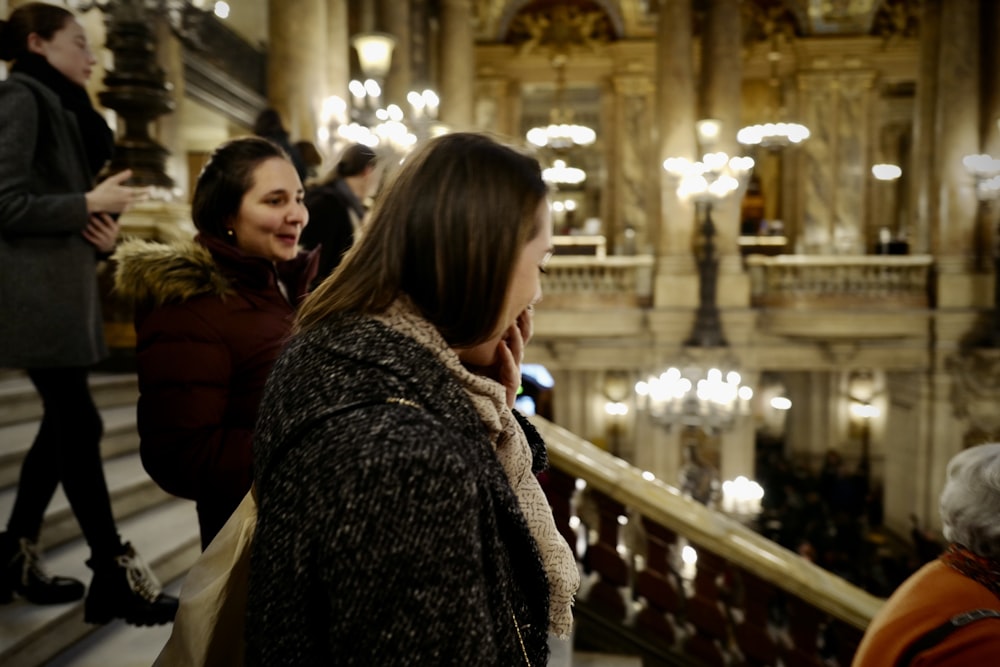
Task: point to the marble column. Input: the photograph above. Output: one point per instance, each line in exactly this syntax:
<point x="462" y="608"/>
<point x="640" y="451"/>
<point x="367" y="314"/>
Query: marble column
<point x="495" y="106"/>
<point x="991" y="63"/>
<point x="420" y="43"/>
<point x="957" y="125"/>
<point x="338" y="49"/>
<point x="296" y="64"/>
<point x="168" y="128"/>
<point x="394" y="18"/>
<point x="721" y="93"/>
<point x="923" y="196"/>
<point x="991" y="119"/>
<point x="808" y="424"/>
<point x="457" y="64"/>
<point x="675" y="109"/>
<point x="633" y="194"/>
<point x="837" y="109"/>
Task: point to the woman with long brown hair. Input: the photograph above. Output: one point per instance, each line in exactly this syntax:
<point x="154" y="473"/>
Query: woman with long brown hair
<point x="399" y="513"/>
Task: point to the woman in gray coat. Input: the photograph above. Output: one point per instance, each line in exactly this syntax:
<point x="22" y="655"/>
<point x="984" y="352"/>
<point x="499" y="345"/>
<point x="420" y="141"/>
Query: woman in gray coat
<point x="54" y="225"/>
<point x="400" y="521"/>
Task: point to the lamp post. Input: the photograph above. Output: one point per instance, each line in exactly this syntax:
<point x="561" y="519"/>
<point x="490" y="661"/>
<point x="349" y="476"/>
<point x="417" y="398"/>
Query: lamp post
<point x="707" y="182"/>
<point x="365" y="120"/>
<point x="985" y="169"/>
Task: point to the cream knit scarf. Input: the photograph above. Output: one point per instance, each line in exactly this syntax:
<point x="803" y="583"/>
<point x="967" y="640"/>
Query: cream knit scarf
<point x="511" y="445"/>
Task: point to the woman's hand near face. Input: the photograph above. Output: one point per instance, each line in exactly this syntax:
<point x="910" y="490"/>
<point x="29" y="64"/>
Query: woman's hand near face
<point x="511" y="353"/>
<point x="506" y="356"/>
<point x="110" y="196"/>
<point x="102" y="232"/>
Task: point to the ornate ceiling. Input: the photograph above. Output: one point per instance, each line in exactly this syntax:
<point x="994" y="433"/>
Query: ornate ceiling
<point x="523" y="20"/>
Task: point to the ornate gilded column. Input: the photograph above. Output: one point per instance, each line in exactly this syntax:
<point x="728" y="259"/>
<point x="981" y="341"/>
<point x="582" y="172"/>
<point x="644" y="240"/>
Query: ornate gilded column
<point x="296" y="63"/>
<point x="635" y="199"/>
<point x="338" y="49"/>
<point x="675" y="117"/>
<point x="394" y="18"/>
<point x="991" y="106"/>
<point x="169" y="127"/>
<point x="721" y="93"/>
<point x="837" y="109"/>
<point x="958" y="127"/>
<point x="497" y="99"/>
<point x="457" y="63"/>
<point x="923" y="195"/>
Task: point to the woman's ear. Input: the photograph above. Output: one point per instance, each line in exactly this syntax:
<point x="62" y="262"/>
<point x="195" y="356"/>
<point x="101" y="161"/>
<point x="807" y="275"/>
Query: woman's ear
<point x="36" y="44"/>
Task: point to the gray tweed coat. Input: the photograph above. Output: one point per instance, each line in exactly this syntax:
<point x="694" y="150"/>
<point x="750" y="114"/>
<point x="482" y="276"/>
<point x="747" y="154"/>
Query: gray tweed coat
<point x="387" y="532"/>
<point x="50" y="312"/>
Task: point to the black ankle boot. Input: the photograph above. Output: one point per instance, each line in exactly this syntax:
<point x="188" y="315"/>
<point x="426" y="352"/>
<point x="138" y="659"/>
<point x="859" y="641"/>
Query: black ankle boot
<point x="125" y="587"/>
<point x="22" y="573"/>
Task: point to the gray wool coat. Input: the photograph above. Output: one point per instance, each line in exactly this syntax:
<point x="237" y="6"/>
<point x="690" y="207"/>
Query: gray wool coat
<point x="387" y="532"/>
<point x="50" y="311"/>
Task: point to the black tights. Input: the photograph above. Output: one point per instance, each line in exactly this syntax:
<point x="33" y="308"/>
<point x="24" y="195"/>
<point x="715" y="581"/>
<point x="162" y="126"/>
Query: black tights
<point x="67" y="449"/>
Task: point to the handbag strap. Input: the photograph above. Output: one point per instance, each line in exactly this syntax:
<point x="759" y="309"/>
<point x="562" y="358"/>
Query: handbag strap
<point x="937" y="635"/>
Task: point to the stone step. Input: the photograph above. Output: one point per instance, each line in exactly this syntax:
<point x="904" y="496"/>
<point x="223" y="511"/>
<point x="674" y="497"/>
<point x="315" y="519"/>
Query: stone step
<point x="131" y="491"/>
<point x="118" y="644"/>
<point x="19" y="400"/>
<point x="120" y="437"/>
<point x="166" y="536"/>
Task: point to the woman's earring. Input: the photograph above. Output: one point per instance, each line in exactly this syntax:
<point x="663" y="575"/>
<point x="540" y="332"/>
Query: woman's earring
<point x="230" y="233"/>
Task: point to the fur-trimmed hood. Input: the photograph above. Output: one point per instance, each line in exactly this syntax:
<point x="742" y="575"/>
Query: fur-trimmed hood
<point x="153" y="273"/>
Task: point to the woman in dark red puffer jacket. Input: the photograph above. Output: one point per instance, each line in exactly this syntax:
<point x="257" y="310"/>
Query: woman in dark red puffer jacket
<point x="211" y="317"/>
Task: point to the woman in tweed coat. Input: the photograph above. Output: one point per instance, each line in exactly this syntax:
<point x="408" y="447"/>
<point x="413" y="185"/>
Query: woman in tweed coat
<point x="400" y="520"/>
<point x="54" y="225"/>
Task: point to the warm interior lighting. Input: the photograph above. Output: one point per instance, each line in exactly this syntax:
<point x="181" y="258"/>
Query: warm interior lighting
<point x="561" y="132"/>
<point x="986" y="170"/>
<point x="374" y="52"/>
<point x="773" y="135"/>
<point x="886" y="172"/>
<point x="560" y="173"/>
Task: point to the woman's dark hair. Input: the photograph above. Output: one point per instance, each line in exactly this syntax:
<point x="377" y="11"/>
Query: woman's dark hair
<point x="355" y="160"/>
<point x="226" y="177"/>
<point x="38" y="17"/>
<point x="447" y="233"/>
<point x="268" y="124"/>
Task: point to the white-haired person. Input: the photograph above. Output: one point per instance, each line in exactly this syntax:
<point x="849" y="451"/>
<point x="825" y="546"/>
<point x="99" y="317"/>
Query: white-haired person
<point x="948" y="612"/>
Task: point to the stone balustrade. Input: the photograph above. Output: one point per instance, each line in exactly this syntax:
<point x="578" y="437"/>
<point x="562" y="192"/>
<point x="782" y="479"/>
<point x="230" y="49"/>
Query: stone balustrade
<point x="745" y="601"/>
<point x="580" y="282"/>
<point x="583" y="282"/>
<point x="808" y="281"/>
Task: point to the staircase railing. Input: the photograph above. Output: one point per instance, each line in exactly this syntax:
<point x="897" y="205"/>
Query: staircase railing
<point x="746" y="601"/>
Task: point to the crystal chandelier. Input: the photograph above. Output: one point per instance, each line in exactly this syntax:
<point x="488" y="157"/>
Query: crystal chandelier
<point x="694" y="396"/>
<point x="774" y="136"/>
<point x="986" y="170"/>
<point x="561" y="174"/>
<point x="364" y="120"/>
<point x="561" y="133"/>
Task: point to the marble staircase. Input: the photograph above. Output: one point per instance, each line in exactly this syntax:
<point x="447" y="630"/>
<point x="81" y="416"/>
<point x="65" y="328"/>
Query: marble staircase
<point x="163" y="529"/>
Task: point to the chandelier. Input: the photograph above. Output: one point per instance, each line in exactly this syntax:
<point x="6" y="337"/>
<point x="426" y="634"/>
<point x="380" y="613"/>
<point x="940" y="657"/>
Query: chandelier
<point x="694" y="396"/>
<point x="364" y="120"/>
<point x="561" y="133"/>
<point x="561" y="174"/>
<point x="986" y="170"/>
<point x="774" y="136"/>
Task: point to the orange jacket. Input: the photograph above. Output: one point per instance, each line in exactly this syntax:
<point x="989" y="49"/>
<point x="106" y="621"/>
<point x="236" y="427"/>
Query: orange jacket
<point x="929" y="598"/>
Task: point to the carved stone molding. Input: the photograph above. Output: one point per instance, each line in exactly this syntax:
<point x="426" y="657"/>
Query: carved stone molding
<point x="975" y="391"/>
